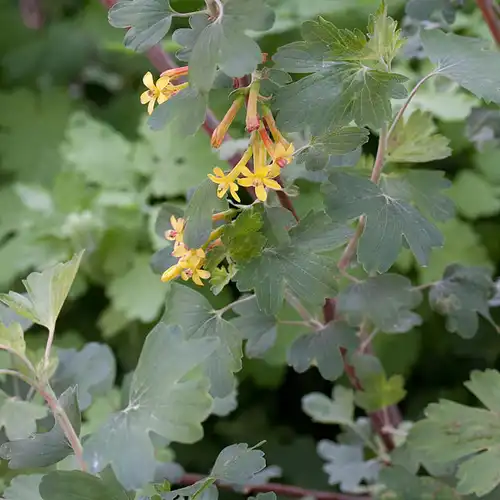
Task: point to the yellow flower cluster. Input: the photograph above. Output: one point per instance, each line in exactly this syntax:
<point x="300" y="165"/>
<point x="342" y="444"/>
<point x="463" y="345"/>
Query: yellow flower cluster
<point x="190" y="263"/>
<point x="163" y="89"/>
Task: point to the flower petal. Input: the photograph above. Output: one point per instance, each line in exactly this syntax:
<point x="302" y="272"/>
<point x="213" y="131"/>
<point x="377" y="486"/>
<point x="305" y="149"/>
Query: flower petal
<point x="218" y="172"/>
<point x="234" y="191"/>
<point x="261" y="192"/>
<point x="162" y="82"/>
<point x="163" y="98"/>
<point x="246" y="171"/>
<point x="245" y="182"/>
<point x="151" y="105"/>
<point x="202" y="273"/>
<point x="148" y="81"/>
<point x="145" y="97"/>
<point x="196" y="279"/>
<point x="222" y="190"/>
<point x="272" y="184"/>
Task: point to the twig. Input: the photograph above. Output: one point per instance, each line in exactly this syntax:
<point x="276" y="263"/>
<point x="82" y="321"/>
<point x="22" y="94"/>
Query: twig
<point x="491" y="17"/>
<point x="285" y="490"/>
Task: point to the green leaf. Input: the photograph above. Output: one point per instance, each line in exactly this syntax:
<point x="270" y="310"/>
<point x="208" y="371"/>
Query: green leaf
<point x="171" y="402"/>
<point x="461" y="296"/>
<point x="474" y="195"/>
<point x="238" y="464"/>
<point x="12" y="336"/>
<point x="222" y="44"/>
<point x="453" y="432"/>
<point x="378" y="391"/>
<point x="92" y="369"/>
<point x="346" y="465"/>
<point x="19" y="417"/>
<point x="192" y="311"/>
<point x="322" y="349"/>
<point x="351" y="92"/>
<point x="468" y="61"/>
<point x="257" y="328"/>
<point x="387" y="300"/>
<point x="388" y="220"/>
<point x="198" y="214"/>
<point x="42" y="450"/>
<point x="138" y="294"/>
<point x="47" y="292"/>
<point x="68" y="485"/>
<point x="185" y="111"/>
<point x="336" y="142"/>
<point x="242" y="238"/>
<point x="24" y="488"/>
<point x="423" y="188"/>
<point x="339" y="409"/>
<point x="403" y="485"/>
<point x="295" y="265"/>
<point x="416" y="140"/>
<point x="148" y="21"/>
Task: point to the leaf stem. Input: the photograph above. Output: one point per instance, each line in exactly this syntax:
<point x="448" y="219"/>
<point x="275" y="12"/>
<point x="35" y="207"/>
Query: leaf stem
<point x="400" y="113"/>
<point x="62" y="418"/>
<point x="303" y="312"/>
<point x="224" y="309"/>
<point x="17" y="375"/>
<point x="48" y="348"/>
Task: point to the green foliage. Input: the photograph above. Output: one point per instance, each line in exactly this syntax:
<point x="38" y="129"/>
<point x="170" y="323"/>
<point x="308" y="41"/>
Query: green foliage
<point x="337" y="410"/>
<point x="18" y="417"/>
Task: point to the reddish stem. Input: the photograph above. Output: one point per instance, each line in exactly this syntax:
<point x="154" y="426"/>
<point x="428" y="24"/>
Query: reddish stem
<point x="490" y="16"/>
<point x="285" y="490"/>
<point x="32" y="13"/>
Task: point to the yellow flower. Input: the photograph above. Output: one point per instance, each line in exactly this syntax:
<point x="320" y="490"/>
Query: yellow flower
<point x="196" y="274"/>
<point x="260" y="179"/>
<point x="220" y="132"/>
<point x="177" y="232"/>
<point x="171" y="273"/>
<point x="160" y="91"/>
<point x="283" y="155"/>
<point x="225" y="183"/>
<point x="192" y="263"/>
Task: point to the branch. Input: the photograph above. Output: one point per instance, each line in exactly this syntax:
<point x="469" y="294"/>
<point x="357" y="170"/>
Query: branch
<point x="489" y="12"/>
<point x="280" y="489"/>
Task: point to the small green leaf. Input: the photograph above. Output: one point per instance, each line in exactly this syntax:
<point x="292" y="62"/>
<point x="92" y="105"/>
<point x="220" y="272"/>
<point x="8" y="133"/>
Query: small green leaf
<point x="198" y="214"/>
<point x="403" y="485"/>
<point x="336" y="142"/>
<point x="192" y="311"/>
<point x="322" y="349"/>
<point x="68" y="485"/>
<point x="387" y="300"/>
<point x="416" y="140"/>
<point x="148" y="20"/>
<point x="270" y="495"/>
<point x="185" y="111"/>
<point x="24" y="488"/>
<point x="171" y="402"/>
<point x="19" y="417"/>
<point x="92" y="369"/>
<point x="42" y="450"/>
<point x="468" y="61"/>
<point x="337" y="410"/>
<point x="237" y="464"/>
<point x="453" y="432"/>
<point x="138" y="294"/>
<point x="47" y="292"/>
<point x="346" y="465"/>
<point x="258" y="328"/>
<point x="388" y="220"/>
<point x="461" y="296"/>
<point x="12" y="336"/>
<point x="242" y="238"/>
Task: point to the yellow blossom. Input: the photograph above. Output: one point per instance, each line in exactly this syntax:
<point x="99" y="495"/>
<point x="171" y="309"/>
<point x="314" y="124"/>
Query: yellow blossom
<point x="177" y="232"/>
<point x="192" y="263"/>
<point x="156" y="92"/>
<point x="252" y="118"/>
<point x="225" y="183"/>
<point x="261" y="178"/>
<point x="283" y="155"/>
<point x="171" y="273"/>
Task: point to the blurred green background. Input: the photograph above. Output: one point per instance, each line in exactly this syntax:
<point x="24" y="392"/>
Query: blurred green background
<point x="80" y="169"/>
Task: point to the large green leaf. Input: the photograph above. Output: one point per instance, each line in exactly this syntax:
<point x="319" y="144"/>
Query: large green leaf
<point x="389" y="218"/>
<point x="452" y="432"/>
<point x="47" y="292"/>
<point x="238" y="464"/>
<point x="416" y="140"/>
<point x="221" y="43"/>
<point x="461" y="296"/>
<point x="387" y="300"/>
<point x="199" y="320"/>
<point x="171" y="401"/>
<point x="69" y="485"/>
<point x="92" y="369"/>
<point x="339" y="409"/>
<point x="468" y="61"/>
<point x="296" y="265"/>
<point x="12" y="337"/>
<point x="148" y="20"/>
<point x="42" y="450"/>
<point x="24" y="488"/>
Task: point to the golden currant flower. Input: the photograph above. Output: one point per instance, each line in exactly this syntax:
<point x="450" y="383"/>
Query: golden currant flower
<point x="176" y="72"/>
<point x="220" y="132"/>
<point x="261" y="178"/>
<point x="172" y="272"/>
<point x="225" y="183"/>
<point x="252" y="119"/>
<point x="273" y="128"/>
<point x="283" y="155"/>
<point x="177" y="232"/>
<point x="158" y="92"/>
